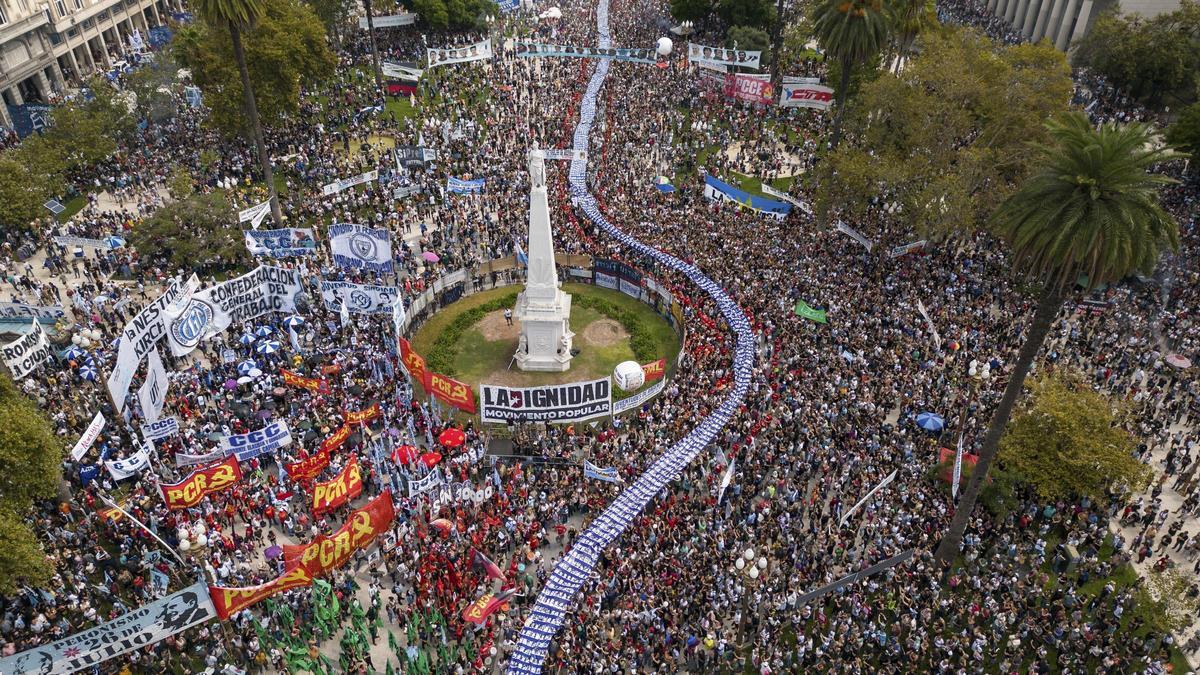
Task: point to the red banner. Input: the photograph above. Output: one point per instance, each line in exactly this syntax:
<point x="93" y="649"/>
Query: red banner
<point x="188" y="492"/>
<point x="230" y="601"/>
<point x="335" y="441"/>
<point x="477" y="612"/>
<point x="309" y="467"/>
<point x="326" y="553"/>
<point x="310" y="383"/>
<point x="413" y="362"/>
<point x="452" y="391"/>
<point x="346" y="486"/>
<point x="750" y="88"/>
<point x="361" y="416"/>
<point x="655" y="369"/>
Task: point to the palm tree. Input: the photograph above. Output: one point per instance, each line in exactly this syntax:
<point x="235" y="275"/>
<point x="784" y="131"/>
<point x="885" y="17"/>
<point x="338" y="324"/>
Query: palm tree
<point x="371" y="39"/>
<point x="239" y="16"/>
<point x="853" y="32"/>
<point x="910" y="18"/>
<point x="1090" y="215"/>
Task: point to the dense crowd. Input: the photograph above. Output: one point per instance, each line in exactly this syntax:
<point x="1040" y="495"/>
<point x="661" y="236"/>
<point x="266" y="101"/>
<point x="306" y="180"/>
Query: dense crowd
<point x="1043" y="587"/>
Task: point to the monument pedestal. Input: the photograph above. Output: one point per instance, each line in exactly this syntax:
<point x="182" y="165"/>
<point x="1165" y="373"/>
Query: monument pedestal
<point x="546" y="337"/>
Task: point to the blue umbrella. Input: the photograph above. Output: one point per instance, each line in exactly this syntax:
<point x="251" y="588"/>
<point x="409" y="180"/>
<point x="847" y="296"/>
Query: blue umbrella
<point x="294" y="321"/>
<point x="245" y="367"/>
<point x="73" y="352"/>
<point x="930" y="421"/>
<point x="88" y="373"/>
<point x="262" y="331"/>
<point x="247" y="339"/>
<point x="268" y="346"/>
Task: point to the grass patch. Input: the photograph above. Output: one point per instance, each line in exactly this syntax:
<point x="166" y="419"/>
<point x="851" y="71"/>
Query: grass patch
<point x="400" y="106"/>
<point x="74" y="205"/>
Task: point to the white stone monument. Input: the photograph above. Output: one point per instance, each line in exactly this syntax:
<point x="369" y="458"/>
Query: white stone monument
<point x="542" y="308"/>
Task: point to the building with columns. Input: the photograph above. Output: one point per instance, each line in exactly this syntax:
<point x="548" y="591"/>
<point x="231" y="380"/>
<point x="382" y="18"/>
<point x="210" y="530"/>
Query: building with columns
<point x="1065" y="21"/>
<point x="48" y="45"/>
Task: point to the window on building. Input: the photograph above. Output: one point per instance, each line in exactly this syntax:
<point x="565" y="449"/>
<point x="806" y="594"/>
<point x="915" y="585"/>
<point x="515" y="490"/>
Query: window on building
<point x="78" y="4"/>
<point x="61" y="7"/>
<point x="3" y="15"/>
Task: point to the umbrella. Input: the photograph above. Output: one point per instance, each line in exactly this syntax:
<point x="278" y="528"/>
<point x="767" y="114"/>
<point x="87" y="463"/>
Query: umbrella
<point x="88" y="372"/>
<point x="273" y="552"/>
<point x="262" y="331"/>
<point x="452" y="438"/>
<point x="442" y="525"/>
<point x="247" y="339"/>
<point x="930" y="421"/>
<point x="231" y="383"/>
<point x="430" y="459"/>
<point x="244" y="379"/>
<point x="294" y="321"/>
<point x="311" y="435"/>
<point x="430" y="256"/>
<point x="255" y="373"/>
<point x="263" y="414"/>
<point x="268" y="346"/>
<point x="73" y="353"/>
<point x="245" y="367"/>
<point x="404" y="454"/>
<point x="1178" y="361"/>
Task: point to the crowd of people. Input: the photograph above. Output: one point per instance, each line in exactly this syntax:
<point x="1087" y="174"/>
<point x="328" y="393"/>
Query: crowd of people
<point x="1041" y="587"/>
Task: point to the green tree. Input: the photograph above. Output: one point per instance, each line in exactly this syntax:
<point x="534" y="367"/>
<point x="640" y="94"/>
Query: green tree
<point x="1066" y="442"/>
<point x="1148" y="58"/>
<point x="1163" y="602"/>
<point x="83" y="133"/>
<point x="751" y="13"/>
<point x="284" y="45"/>
<point x="198" y="228"/>
<point x="910" y="18"/>
<point x="155" y="85"/>
<point x="180" y="183"/>
<point x="30" y="469"/>
<point x="691" y="10"/>
<point x="852" y="32"/>
<point x="433" y="13"/>
<point x="750" y="39"/>
<point x="1091" y="209"/>
<point x="24" y="187"/>
<point x="947" y="140"/>
<point x="334" y="14"/>
<point x="1185" y="134"/>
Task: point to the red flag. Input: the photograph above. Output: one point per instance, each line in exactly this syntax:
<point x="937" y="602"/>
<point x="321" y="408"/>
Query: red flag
<point x="489" y="567"/>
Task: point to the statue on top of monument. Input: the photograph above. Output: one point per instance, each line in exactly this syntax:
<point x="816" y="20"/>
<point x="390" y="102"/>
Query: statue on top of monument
<point x="537" y="168"/>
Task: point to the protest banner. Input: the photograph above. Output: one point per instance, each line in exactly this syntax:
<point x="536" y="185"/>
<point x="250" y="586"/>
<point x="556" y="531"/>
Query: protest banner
<point x="154" y="431"/>
<point x="358" y="298"/>
<point x="25" y="354"/>
<point x="570" y="402"/>
<point x="211" y="311"/>
<point x="229" y="601"/>
<point x="361" y="248"/>
<point x="252" y="444"/>
<point x="654" y="370"/>
<point x="342" y="488"/>
<point x="729" y="57"/>
<point x="309" y="467"/>
<point x="453" y="392"/>
<point x="201" y="483"/>
<point x="89" y="436"/>
<point x="362" y="416"/>
<point x="319" y="386"/>
<point x="538" y="49"/>
<point x="446" y="56"/>
<point x="325" y="553"/>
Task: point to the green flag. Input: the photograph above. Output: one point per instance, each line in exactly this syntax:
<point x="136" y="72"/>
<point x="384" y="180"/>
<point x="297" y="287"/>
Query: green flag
<point x="389" y="670"/>
<point x="817" y="315"/>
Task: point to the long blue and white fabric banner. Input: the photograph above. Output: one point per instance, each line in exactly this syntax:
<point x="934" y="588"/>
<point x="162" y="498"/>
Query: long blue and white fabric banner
<point x="574" y="568"/>
<point x="718" y="190"/>
<point x="464" y="187"/>
<point x="358" y="298"/>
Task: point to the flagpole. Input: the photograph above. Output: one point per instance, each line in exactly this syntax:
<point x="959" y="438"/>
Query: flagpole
<point x="148" y="531"/>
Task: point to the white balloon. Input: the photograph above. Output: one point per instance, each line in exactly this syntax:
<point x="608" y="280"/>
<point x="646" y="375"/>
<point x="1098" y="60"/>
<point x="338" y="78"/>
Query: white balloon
<point x="94" y="334"/>
<point x="85" y="342"/>
<point x="184" y="544"/>
<point x="75" y="339"/>
<point x="664" y="46"/>
<point x="629" y="375"/>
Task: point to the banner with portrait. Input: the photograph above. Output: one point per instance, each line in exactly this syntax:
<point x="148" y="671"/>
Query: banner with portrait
<point x="201" y="483"/>
<point x="288" y="242"/>
<point x="359" y="298"/>
<point x="361" y="248"/>
<point x="728" y="57"/>
<point x="135" y="629"/>
<point x="448" y="55"/>
<point x="538" y="49"/>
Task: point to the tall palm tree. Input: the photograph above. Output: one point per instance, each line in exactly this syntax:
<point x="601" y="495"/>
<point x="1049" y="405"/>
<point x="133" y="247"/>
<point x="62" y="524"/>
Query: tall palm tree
<point x="1090" y="210"/>
<point x="371" y="39"/>
<point x="853" y="32"/>
<point x="910" y="18"/>
<point x="239" y="16"/>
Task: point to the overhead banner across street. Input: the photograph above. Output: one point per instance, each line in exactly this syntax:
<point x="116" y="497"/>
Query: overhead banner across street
<point x="554" y="403"/>
<point x="135" y="629"/>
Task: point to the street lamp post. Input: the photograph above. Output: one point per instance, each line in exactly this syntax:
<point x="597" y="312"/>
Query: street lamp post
<point x="753" y="570"/>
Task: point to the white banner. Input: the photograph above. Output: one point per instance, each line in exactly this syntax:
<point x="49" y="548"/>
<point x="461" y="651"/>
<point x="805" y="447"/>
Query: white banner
<point x="359" y="298"/>
<point x="855" y="235"/>
<point x="132" y="630"/>
<point x="425" y="484"/>
<point x="143" y="332"/>
<point x="882" y="484"/>
<point x="726" y="480"/>
<point x="937" y="339"/>
<point x="167" y="426"/>
<point x="570" y="402"/>
<point x="28" y="352"/>
<point x="250" y="445"/>
<point x="400" y="70"/>
<point x="360" y="247"/>
<point x="255" y="214"/>
<point x="89" y="436"/>
<point x="153" y="392"/>
<point x="956" y="477"/>
<point x="105" y="244"/>
<point x="339" y="185"/>
<point x="905" y="249"/>
<point x="20" y="310"/>
<point x="730" y="57"/>
<point x="182" y="459"/>
<point x="634" y="402"/>
<point x="806" y="96"/>
<point x="780" y="194"/>
<point x="570" y="154"/>
<point x="266" y="289"/>
<point x="388" y="21"/>
<point x="445" y="56"/>
<point x="130" y="466"/>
